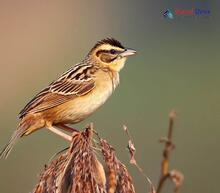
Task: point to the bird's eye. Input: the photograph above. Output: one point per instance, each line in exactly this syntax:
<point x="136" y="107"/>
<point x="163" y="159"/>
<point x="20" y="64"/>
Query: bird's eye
<point x="112" y="51"/>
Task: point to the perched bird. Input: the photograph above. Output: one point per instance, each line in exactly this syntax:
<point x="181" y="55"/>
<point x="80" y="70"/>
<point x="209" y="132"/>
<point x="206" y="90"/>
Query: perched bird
<point x="76" y="94"/>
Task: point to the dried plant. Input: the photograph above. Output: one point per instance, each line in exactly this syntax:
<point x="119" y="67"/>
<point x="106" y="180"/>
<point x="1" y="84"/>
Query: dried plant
<point x="119" y="180"/>
<point x="78" y="169"/>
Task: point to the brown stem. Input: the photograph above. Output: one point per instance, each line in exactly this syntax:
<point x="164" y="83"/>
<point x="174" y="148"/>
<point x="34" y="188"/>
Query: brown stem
<point x="161" y="182"/>
<point x="168" y="147"/>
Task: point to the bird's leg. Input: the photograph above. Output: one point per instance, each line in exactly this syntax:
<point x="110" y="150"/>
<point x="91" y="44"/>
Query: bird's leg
<point x="60" y="133"/>
<point x="67" y="128"/>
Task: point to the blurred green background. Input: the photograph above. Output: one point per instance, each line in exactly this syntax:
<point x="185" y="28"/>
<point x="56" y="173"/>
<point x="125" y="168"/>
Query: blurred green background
<point x="177" y="66"/>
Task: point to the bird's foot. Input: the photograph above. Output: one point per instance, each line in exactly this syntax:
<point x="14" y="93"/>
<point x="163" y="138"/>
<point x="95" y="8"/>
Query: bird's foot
<point x="60" y="133"/>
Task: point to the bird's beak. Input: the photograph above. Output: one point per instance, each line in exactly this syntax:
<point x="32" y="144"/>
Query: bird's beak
<point x="128" y="52"/>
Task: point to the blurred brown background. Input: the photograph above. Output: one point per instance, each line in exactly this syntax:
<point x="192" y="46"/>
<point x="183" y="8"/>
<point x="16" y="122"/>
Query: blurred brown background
<point x="177" y="66"/>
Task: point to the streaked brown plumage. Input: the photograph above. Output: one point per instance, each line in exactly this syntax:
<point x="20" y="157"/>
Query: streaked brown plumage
<point x="76" y="94"/>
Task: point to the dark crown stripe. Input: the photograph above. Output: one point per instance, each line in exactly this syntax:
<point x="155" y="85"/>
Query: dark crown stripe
<point x="110" y="41"/>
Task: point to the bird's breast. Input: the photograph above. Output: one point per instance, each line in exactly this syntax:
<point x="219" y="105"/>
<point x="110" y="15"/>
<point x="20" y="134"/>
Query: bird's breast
<point x="81" y="107"/>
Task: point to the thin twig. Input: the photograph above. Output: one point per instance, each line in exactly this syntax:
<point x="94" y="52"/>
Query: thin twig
<point x="174" y="175"/>
<point x="133" y="161"/>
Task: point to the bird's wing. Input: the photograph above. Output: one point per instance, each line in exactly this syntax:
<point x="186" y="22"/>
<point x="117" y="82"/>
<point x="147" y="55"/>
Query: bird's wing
<point x="75" y="82"/>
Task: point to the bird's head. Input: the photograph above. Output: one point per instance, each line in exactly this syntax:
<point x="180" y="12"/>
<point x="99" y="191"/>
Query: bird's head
<point x="110" y="53"/>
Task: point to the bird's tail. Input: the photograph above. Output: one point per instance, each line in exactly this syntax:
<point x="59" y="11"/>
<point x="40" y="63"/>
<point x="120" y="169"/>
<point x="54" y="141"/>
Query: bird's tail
<point x="20" y="131"/>
<point x="7" y="149"/>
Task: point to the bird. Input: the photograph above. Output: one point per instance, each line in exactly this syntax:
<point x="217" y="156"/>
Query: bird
<point x="75" y="95"/>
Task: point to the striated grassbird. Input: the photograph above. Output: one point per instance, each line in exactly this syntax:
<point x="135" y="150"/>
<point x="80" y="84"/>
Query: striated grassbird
<point x="76" y="94"/>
